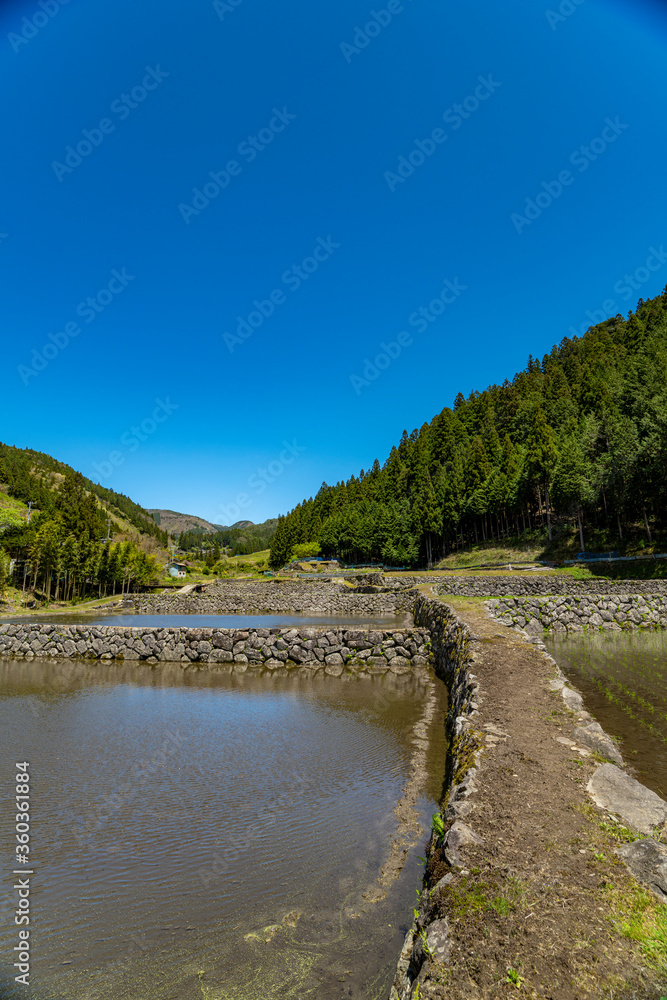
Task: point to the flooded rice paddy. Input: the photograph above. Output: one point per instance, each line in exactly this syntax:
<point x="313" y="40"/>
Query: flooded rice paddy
<point x="226" y="837"/>
<point x="214" y="621"/>
<point x="623" y="678"/>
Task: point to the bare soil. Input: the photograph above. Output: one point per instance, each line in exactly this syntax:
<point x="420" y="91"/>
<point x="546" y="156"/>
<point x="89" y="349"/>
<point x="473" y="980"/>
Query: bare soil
<point x="543" y="908"/>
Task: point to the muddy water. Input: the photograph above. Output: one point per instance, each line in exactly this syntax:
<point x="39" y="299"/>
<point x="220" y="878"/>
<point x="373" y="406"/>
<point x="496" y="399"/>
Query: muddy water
<point x="623" y="677"/>
<point x="216" y="836"/>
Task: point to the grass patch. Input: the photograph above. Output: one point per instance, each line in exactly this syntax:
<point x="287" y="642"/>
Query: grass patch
<point x="642" y="918"/>
<point x="13" y="513"/>
<point x="491" y="553"/>
<point x="472" y="896"/>
<point x="609" y="827"/>
<point x="536" y="547"/>
<point x="634" y="911"/>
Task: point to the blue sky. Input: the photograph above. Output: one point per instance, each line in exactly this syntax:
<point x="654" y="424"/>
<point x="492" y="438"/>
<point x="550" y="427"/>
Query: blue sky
<point x="259" y="202"/>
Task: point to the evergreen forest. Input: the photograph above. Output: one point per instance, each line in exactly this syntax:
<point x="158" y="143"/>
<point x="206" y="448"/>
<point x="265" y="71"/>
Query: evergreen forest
<point x="574" y="446"/>
<point x="65" y="546"/>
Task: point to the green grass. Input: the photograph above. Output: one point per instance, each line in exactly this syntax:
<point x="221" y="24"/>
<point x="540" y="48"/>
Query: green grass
<point x="482" y="897"/>
<point x="565" y="545"/>
<point x="232" y="566"/>
<point x="638" y="914"/>
<point x="492" y="553"/>
<point x="643" y="919"/>
<point x="13" y="513"/>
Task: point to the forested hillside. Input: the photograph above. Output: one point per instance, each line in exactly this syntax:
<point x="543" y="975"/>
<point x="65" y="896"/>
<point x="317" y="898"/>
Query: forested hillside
<point x="243" y="538"/>
<point x="64" y="541"/>
<point x="576" y="442"/>
<point x="176" y="523"/>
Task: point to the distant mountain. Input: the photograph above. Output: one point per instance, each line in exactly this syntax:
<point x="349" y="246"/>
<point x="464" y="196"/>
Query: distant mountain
<point x="242" y="537"/>
<point x="175" y="522"/>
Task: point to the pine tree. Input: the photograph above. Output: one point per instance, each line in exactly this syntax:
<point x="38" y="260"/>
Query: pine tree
<point x="542" y="457"/>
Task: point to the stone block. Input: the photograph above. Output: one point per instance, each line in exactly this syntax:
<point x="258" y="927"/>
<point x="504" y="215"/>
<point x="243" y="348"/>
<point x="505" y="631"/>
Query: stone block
<point x="647" y="860"/>
<point x="458" y="836"/>
<point x="572" y="699"/>
<point x="220" y="656"/>
<point x="594" y="737"/>
<point x="618" y="793"/>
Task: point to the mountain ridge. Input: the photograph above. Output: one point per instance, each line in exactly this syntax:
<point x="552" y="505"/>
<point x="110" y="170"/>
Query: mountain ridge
<point x="177" y="522"/>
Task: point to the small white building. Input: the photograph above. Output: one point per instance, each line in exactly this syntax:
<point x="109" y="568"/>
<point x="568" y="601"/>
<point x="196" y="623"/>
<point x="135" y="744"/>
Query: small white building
<point x="178" y="570"/>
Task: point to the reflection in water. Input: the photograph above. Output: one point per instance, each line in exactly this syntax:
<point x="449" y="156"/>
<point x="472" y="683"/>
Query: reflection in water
<point x="623" y="677"/>
<point x="218" y="621"/>
<point x="202" y="835"/>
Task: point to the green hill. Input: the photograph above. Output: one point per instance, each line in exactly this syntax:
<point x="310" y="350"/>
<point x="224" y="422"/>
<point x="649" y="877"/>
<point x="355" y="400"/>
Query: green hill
<point x="175" y="523"/>
<point x="243" y="538"/>
<point x="575" y="445"/>
<point x="65" y="539"/>
<point x="28" y="475"/>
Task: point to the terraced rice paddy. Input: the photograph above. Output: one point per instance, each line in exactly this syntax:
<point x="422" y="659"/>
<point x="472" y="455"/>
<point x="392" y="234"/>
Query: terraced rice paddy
<point x="623" y="678"/>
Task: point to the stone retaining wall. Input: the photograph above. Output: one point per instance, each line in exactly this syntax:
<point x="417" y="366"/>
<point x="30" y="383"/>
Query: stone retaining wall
<point x="453" y="658"/>
<point x="572" y="614"/>
<point x="455" y="651"/>
<point x="332" y="650"/>
<point x="536" y="585"/>
<point x="276" y="597"/>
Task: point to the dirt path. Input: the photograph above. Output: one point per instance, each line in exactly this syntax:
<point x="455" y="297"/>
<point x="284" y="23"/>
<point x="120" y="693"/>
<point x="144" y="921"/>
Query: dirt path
<point x="543" y="908"/>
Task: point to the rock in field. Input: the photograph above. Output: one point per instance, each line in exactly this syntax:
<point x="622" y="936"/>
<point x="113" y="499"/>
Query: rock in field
<point x="647" y="860"/>
<point x="615" y="791"/>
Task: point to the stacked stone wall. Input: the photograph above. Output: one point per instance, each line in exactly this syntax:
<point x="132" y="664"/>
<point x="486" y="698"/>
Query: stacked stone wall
<point x="276" y="597"/>
<point x="453" y="658"/>
<point x="573" y="614"/>
<point x="531" y="584"/>
<point x="333" y="650"/>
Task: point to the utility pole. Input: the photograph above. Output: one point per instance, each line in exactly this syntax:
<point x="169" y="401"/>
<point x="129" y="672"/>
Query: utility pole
<point x="30" y="505"/>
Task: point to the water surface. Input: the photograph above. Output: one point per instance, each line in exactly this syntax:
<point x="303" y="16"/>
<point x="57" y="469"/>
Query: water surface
<point x="216" y="621"/>
<point x="210" y="836"/>
<point x="623" y="677"/>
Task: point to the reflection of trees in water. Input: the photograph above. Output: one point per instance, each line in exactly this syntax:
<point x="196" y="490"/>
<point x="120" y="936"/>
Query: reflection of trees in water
<point x="329" y="941"/>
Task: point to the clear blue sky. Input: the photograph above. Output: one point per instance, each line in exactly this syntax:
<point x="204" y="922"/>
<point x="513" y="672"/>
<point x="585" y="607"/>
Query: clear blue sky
<point x="305" y="122"/>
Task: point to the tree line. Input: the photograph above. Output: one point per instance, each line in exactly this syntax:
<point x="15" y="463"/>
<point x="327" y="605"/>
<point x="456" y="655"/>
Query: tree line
<point x="31" y="476"/>
<point x="241" y="541"/>
<point x="575" y="442"/>
<point x="65" y="548"/>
